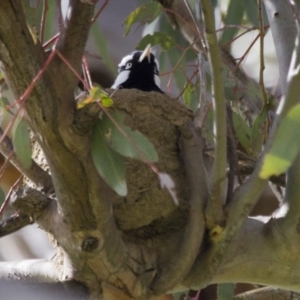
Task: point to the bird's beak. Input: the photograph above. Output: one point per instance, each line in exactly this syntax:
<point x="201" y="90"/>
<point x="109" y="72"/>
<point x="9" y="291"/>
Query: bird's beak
<point x="146" y="53"/>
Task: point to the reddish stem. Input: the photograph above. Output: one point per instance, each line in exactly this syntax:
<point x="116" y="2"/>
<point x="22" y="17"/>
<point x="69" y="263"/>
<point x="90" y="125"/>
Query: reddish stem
<point x="43" y="20"/>
<point x="99" y="11"/>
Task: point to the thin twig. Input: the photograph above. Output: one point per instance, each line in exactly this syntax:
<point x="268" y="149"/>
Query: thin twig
<point x="232" y="156"/>
<point x="43" y="20"/>
<point x="246" y="52"/>
<point x="86" y="85"/>
<point x="99" y="11"/>
<point x="262" y="62"/>
<point x="86" y="72"/>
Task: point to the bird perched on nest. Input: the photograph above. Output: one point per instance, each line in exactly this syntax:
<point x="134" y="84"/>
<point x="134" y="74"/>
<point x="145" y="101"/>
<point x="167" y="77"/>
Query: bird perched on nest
<point x="139" y="70"/>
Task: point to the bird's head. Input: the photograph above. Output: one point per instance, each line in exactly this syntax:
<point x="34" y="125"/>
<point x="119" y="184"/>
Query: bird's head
<point x="139" y="70"/>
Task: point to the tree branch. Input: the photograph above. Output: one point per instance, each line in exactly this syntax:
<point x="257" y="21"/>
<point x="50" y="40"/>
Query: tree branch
<point x="214" y="210"/>
<point x="32" y="270"/>
<point x="245" y="197"/>
<point x="267" y="293"/>
<point x="14" y="223"/>
<point x="180" y="264"/>
<point x="293" y="174"/>
<point x="281" y="18"/>
<point x="250" y="260"/>
<point x="68" y="290"/>
<point x="284" y="32"/>
<point x="71" y="45"/>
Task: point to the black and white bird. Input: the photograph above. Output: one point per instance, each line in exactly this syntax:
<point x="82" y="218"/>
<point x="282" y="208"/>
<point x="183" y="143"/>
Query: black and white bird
<point x="139" y="70"/>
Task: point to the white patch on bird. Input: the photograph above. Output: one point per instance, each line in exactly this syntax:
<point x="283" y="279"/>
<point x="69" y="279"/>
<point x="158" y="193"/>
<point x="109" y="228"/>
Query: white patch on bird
<point x="121" y="78"/>
<point x="125" y="60"/>
<point x="156" y="77"/>
<point x="157" y="64"/>
<point x="157" y="80"/>
<point x="167" y="182"/>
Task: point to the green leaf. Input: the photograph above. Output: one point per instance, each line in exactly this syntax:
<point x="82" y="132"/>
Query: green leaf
<point x="158" y="38"/>
<point x="22" y="143"/>
<point x="258" y="133"/>
<point x="144" y="14"/>
<point x="191" y="96"/>
<point x="127" y="142"/>
<point x="286" y="145"/>
<point x="106" y="101"/>
<point x="241" y="129"/>
<point x="225" y="291"/>
<point x="234" y="16"/>
<point x="109" y="164"/>
<point x="96" y="94"/>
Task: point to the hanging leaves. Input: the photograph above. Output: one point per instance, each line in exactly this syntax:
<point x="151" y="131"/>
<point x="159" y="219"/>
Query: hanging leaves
<point x="127" y="142"/>
<point x="109" y="164"/>
<point x="191" y="96"/>
<point x="112" y="141"/>
<point x="166" y="41"/>
<point x="144" y="14"/>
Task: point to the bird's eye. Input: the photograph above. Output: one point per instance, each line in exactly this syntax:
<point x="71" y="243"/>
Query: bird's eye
<point x="128" y="65"/>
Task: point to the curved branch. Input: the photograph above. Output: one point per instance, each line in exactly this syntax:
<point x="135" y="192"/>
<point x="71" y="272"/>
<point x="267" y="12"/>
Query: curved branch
<point x="284" y="32"/>
<point x="245" y="197"/>
<point x="250" y="260"/>
<point x="181" y="263"/>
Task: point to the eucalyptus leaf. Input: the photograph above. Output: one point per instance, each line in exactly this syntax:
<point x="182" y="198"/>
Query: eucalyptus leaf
<point x="125" y="141"/>
<point x="191" y="96"/>
<point x="158" y="38"/>
<point x="258" y="132"/>
<point x="242" y="130"/>
<point x="109" y="164"/>
<point x="285" y="147"/>
<point x="143" y="14"/>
